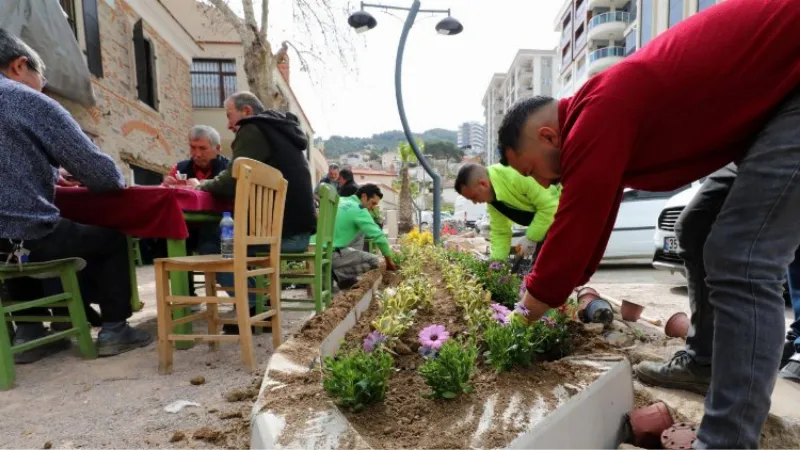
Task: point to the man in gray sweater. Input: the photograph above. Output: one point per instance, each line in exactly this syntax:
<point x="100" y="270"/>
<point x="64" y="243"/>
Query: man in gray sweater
<point x="37" y="137"/>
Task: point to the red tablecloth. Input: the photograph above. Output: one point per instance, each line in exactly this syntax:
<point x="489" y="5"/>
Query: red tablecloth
<point x="146" y="212"/>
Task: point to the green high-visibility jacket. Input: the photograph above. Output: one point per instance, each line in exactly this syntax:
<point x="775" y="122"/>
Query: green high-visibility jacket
<point x="352" y="218"/>
<point x="522" y="193"/>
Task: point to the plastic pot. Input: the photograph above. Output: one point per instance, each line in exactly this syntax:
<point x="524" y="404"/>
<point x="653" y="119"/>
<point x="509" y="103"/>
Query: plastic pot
<point x="678" y="326"/>
<point x="648" y="423"/>
<point x="595" y="309"/>
<point x="680" y="436"/>
<point x="630" y="311"/>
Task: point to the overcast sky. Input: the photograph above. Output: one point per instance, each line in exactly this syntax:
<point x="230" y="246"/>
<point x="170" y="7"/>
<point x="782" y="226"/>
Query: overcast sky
<point x="444" y="77"/>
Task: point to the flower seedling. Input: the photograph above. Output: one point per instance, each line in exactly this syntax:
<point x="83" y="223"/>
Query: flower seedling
<point x="357" y="379"/>
<point x="448" y="374"/>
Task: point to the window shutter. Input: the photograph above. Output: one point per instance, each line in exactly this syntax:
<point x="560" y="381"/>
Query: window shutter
<point x="141" y="61"/>
<point x="91" y="25"/>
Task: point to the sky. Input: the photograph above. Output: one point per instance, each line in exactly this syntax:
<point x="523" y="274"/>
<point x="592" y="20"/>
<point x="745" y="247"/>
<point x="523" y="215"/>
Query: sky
<point x="444" y="77"/>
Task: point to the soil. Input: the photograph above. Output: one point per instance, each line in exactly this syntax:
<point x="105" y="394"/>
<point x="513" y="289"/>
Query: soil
<point x="408" y="420"/>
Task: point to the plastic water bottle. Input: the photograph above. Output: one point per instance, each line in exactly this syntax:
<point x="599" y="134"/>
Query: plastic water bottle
<point x="226" y="235"/>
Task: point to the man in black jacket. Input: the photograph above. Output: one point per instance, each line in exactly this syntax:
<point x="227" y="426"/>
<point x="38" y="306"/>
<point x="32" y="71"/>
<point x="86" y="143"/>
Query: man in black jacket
<point x="347" y="185"/>
<point x="274" y="138"/>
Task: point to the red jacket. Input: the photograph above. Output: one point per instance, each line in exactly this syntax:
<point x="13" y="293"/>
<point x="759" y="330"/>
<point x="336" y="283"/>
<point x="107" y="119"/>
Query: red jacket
<point x="686" y="104"/>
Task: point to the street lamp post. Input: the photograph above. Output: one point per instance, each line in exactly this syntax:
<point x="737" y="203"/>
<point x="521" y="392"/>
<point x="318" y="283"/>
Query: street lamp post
<point x="363" y="21"/>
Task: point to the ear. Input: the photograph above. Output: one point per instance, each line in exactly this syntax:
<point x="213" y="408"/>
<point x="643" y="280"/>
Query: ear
<point x="550" y="135"/>
<point x="17" y="65"/>
<point x="484" y="183"/>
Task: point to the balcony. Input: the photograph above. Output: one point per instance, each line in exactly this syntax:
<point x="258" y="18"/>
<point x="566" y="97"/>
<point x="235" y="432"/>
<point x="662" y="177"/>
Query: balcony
<point x="602" y="59"/>
<point x="580" y="13"/>
<point x="580" y="42"/>
<point x="566" y="34"/>
<point x="609" y="26"/>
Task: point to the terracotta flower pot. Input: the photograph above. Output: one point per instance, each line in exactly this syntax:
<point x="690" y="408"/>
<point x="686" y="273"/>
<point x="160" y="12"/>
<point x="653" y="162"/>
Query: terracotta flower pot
<point x="680" y="436"/>
<point x="678" y="325"/>
<point x="595" y="309"/>
<point x="648" y="423"/>
<point x="587" y="290"/>
<point x="631" y="311"/>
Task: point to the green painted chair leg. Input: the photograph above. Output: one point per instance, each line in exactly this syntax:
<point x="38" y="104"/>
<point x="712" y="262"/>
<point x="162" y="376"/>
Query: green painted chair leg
<point x="69" y="282"/>
<point x="137" y="251"/>
<point x="261" y="283"/>
<point x="318" y="305"/>
<point x="7" y="373"/>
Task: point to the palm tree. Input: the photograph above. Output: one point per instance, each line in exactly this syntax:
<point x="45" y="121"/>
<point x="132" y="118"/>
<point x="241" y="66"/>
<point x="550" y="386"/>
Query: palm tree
<point x="406" y="216"/>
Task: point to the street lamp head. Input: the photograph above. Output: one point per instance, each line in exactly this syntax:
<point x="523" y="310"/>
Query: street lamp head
<point x="362" y="21"/>
<point x="449" y="26"/>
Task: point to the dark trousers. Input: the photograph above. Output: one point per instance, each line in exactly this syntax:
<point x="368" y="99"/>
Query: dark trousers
<point x="737" y="238"/>
<point x="104" y="281"/>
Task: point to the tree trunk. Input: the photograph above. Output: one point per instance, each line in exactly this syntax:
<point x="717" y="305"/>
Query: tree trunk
<point x="406" y="214"/>
<point x="258" y="68"/>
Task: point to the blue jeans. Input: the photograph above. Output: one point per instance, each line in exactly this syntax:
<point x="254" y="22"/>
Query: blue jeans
<point x="737" y="238"/>
<point x="793" y="277"/>
<point x="296" y="243"/>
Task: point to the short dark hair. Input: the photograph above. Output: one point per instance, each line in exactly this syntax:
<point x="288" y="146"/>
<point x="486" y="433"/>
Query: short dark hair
<point x="370" y="190"/>
<point x="12" y="47"/>
<point x="464" y="176"/>
<point x="514" y="120"/>
<point x="346" y="174"/>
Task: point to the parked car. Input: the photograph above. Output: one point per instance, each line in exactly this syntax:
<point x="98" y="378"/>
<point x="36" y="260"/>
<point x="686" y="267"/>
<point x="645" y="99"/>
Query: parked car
<point x="427" y="219"/>
<point x="468" y="212"/>
<point x="664" y="239"/>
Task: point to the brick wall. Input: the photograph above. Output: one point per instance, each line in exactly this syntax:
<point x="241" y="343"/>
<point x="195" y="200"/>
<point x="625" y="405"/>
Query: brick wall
<point x="121" y="125"/>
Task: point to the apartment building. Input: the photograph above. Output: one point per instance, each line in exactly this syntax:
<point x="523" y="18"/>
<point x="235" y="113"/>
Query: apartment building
<point x="470" y="137"/>
<point x="532" y="72"/>
<point x="596" y="34"/>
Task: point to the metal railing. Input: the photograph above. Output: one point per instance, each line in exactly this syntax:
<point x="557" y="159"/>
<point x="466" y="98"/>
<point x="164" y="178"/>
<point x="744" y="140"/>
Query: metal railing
<point x="606" y="52"/>
<point x="614" y="16"/>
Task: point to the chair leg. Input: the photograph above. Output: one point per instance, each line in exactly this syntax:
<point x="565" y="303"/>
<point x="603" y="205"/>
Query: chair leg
<point x="77" y="313"/>
<point x="7" y="372"/>
<point x="243" y="319"/>
<point x="213" y="308"/>
<point x="318" y="281"/>
<point x="275" y="305"/>
<point x="261" y="283"/>
<point x="164" y="319"/>
<point x="327" y="275"/>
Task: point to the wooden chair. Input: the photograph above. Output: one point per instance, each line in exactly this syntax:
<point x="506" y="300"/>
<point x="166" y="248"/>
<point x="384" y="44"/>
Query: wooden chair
<point x="258" y="220"/>
<point x="66" y="270"/>
<point x="321" y="258"/>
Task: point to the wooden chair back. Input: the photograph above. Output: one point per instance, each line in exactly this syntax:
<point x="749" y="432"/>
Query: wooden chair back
<point x="260" y="198"/>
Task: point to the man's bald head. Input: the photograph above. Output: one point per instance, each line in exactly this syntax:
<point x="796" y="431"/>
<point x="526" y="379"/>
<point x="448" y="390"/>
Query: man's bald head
<point x="473" y="183"/>
<point x="529" y="139"/>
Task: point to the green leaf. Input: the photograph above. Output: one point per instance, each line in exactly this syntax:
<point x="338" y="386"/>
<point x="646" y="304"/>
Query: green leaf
<point x="449" y="395"/>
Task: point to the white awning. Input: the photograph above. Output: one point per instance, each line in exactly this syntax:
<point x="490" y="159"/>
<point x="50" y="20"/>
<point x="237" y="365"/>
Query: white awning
<point x="43" y="26"/>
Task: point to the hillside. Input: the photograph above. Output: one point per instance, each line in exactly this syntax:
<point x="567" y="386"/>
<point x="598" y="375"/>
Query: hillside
<point x="336" y="146"/>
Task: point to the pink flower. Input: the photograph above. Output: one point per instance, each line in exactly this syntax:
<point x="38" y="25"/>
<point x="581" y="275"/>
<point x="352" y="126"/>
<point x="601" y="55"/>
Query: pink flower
<point x="500" y="309"/>
<point x="433" y="336"/>
<point x="501" y="318"/>
<point x="520" y="308"/>
<point x="548" y="321"/>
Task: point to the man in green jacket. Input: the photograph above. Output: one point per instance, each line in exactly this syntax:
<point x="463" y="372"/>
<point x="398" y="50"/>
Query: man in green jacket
<point x="512" y="198"/>
<point x="353" y="220"/>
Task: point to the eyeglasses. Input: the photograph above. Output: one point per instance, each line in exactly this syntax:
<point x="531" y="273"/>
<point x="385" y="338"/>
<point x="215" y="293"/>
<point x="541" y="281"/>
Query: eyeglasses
<point x="41" y="75"/>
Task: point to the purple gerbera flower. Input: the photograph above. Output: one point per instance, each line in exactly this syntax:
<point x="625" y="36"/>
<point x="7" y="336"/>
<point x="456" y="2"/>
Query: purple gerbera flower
<point x="500" y="318"/>
<point x="433" y="336"/>
<point x="522" y="289"/>
<point x="549" y="322"/>
<point x="373" y="341"/>
<point x="519" y="308"/>
<point x="427" y="352"/>
<point x="497" y="265"/>
<point x="499" y="309"/>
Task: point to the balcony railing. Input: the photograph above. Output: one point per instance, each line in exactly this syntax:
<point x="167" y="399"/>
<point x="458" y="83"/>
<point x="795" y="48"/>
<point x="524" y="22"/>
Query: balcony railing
<point x="606" y="53"/>
<point x="615" y="16"/>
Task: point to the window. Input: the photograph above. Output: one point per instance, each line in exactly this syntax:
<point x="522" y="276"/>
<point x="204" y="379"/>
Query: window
<point x="547" y="76"/>
<point x="703" y="4"/>
<point x="675" y="12"/>
<point x="635" y="194"/>
<point x="646" y="30"/>
<point x="630" y="43"/>
<point x="69" y="11"/>
<point x="145" y="177"/>
<point x="213" y="80"/>
<point x="146" y="88"/>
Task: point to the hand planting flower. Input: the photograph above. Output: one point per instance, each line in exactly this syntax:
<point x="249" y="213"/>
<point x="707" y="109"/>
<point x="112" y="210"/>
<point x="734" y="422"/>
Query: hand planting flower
<point x="433" y="336"/>
<point x="373" y="341"/>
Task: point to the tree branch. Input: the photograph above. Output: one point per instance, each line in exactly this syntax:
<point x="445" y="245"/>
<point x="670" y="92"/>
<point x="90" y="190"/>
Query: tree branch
<point x="264" y="18"/>
<point x="233" y="19"/>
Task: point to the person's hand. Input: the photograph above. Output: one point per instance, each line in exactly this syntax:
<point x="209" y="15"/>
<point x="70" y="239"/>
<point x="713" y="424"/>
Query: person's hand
<point x="527" y="247"/>
<point x="530" y="308"/>
<point x="65" y="179"/>
<point x="192" y="183"/>
<point x="390" y="265"/>
<point x="169" y="181"/>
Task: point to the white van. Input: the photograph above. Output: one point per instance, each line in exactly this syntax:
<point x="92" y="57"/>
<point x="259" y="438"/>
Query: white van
<point x="468" y="212"/>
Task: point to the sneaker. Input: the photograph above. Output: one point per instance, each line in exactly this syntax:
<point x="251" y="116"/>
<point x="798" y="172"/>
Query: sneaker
<point x="112" y="342"/>
<point x="791" y="371"/>
<point x="35" y="354"/>
<point x="788" y="351"/>
<point x="680" y="372"/>
<point x="232" y="328"/>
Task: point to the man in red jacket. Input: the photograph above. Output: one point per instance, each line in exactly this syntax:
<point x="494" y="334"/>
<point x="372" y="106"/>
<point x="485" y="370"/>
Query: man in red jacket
<point x="723" y="86"/>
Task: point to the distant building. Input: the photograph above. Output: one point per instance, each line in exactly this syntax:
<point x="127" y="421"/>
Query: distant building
<point x="470" y="137"/>
<point x="532" y="72"/>
<point x="361" y="176"/>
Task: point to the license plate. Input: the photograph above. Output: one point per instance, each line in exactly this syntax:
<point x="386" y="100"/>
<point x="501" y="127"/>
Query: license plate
<point x="671" y="244"/>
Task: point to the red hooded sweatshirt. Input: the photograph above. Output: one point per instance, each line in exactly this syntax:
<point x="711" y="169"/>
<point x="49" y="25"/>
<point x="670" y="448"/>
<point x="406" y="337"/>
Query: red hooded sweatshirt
<point x="685" y="105"/>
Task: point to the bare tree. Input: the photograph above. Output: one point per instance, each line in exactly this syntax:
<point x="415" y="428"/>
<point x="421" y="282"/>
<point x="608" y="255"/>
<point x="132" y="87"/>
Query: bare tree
<point x="312" y="17"/>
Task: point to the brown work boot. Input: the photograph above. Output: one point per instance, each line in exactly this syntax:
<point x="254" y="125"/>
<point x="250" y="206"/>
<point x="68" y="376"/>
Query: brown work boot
<point x="680" y="372"/>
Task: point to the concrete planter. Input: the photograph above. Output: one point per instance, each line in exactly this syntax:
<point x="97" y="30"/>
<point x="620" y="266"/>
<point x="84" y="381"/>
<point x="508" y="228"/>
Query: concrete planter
<point x="546" y="427"/>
